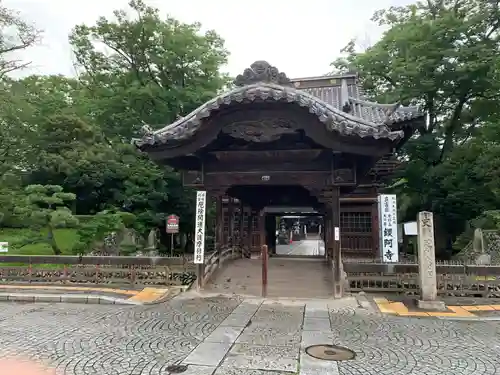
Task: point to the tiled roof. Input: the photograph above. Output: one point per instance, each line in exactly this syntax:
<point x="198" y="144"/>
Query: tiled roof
<point x="325" y="97"/>
<point x="329" y="89"/>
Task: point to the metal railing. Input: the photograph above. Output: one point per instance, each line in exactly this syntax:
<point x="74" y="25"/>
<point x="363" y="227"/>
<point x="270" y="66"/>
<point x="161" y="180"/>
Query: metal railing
<point x="453" y="278"/>
<point x="103" y="270"/>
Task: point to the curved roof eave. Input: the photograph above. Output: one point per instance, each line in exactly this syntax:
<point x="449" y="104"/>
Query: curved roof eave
<point x="333" y="118"/>
<point x="390" y="114"/>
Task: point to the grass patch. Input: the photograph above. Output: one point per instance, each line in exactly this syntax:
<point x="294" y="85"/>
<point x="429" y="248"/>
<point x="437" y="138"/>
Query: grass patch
<point x="65" y="238"/>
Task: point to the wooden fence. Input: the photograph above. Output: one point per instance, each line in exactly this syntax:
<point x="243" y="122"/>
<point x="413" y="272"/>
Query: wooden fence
<point x="216" y="260"/>
<point x="453" y="279"/>
<point x="103" y="270"/>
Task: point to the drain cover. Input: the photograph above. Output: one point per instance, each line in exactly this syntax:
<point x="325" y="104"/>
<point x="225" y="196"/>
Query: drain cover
<point x="176" y="369"/>
<point x="330" y="352"/>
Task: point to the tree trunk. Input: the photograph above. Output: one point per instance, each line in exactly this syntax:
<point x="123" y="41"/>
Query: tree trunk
<point x="52" y="241"/>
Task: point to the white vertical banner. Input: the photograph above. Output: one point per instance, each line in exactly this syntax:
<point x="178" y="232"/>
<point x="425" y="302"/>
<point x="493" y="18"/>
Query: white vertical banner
<point x="388" y="219"/>
<point x="380" y="225"/>
<point x="199" y="236"/>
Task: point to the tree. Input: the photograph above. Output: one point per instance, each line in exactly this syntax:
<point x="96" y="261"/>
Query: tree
<point x="443" y="56"/>
<point x="150" y="71"/>
<point x="46" y="207"/>
<point x="73" y="154"/>
<point x="75" y="133"/>
<point x="100" y="226"/>
<point x="15" y="35"/>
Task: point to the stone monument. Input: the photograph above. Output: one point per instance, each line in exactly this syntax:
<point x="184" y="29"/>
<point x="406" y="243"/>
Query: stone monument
<point x="478" y="249"/>
<point x="427" y="263"/>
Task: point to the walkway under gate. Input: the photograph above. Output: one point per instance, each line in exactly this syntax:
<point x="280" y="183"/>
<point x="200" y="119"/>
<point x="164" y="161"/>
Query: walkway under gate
<point x="298" y="273"/>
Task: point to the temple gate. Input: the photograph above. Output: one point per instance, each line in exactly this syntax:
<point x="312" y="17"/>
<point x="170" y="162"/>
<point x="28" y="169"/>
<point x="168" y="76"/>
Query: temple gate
<point x="275" y="141"/>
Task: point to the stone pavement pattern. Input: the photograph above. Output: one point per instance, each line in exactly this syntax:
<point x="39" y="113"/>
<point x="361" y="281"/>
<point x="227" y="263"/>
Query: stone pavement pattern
<point x="225" y="336"/>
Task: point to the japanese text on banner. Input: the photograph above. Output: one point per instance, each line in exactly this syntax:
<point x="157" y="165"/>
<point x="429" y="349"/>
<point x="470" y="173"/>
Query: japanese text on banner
<point x="389" y="228"/>
<point x="199" y="239"/>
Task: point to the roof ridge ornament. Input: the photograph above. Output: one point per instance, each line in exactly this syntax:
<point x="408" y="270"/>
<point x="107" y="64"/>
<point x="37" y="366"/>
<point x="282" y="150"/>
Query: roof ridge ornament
<point x="262" y="71"/>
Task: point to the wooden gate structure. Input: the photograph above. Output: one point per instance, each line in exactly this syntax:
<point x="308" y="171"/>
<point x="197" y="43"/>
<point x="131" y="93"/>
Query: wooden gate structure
<point x="275" y="141"/>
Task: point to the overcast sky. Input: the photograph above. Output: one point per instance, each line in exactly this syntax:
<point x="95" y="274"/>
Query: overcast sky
<point x="301" y="38"/>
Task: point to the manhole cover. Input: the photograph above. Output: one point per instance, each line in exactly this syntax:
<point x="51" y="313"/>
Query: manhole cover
<point x="330" y="352"/>
<point x="176" y="369"/>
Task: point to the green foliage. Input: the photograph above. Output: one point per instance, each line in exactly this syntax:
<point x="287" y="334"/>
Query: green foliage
<point x="151" y="71"/>
<point x="66" y="239"/>
<point x="443" y="56"/>
<point x="102" y="224"/>
<point x="75" y="133"/>
<point x="45" y="207"/>
<point x="67" y="140"/>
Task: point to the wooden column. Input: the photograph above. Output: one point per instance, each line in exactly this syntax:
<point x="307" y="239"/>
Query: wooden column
<point x="230" y="216"/>
<point x="262" y="228"/>
<point x="242" y="229"/>
<point x="249" y="231"/>
<point x="327" y="233"/>
<point x="216" y="196"/>
<point x="330" y="197"/>
<point x="375" y="231"/>
<point x="337" y="256"/>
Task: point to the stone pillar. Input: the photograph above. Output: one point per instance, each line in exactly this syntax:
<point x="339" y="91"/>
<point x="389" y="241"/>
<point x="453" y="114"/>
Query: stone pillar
<point x="427" y="263"/>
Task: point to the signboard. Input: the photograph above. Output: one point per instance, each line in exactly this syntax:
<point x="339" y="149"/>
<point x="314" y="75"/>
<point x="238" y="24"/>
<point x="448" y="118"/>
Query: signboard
<point x="172" y="224"/>
<point x="337" y="233"/>
<point x="410" y="228"/>
<point x="199" y="234"/>
<point x="388" y="224"/>
<point x="4" y="247"/>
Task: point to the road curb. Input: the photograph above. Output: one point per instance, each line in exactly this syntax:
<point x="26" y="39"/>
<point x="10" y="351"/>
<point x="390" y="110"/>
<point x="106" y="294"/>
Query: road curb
<point x="146" y="296"/>
<point x="171" y="293"/>
<point x="471" y="319"/>
<point x="66" y="298"/>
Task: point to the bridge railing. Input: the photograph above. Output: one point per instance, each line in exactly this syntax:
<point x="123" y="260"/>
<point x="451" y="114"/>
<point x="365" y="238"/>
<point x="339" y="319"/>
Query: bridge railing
<point x="217" y="259"/>
<point x="93" y="270"/>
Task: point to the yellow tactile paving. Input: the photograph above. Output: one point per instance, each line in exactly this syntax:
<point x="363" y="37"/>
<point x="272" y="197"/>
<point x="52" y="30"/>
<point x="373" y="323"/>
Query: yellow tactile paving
<point x="482" y="308"/>
<point x="74" y="288"/>
<point x="414" y="313"/>
<point x="458" y="311"/>
<point x="149" y="295"/>
<point x="398" y="308"/>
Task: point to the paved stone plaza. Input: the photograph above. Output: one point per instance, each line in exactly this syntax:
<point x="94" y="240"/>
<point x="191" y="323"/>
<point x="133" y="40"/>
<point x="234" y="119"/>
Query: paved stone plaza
<point x="221" y="335"/>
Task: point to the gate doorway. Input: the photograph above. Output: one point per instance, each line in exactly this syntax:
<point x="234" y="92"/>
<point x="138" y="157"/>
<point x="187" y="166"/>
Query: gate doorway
<point x="294" y="232"/>
<point x="270" y="141"/>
